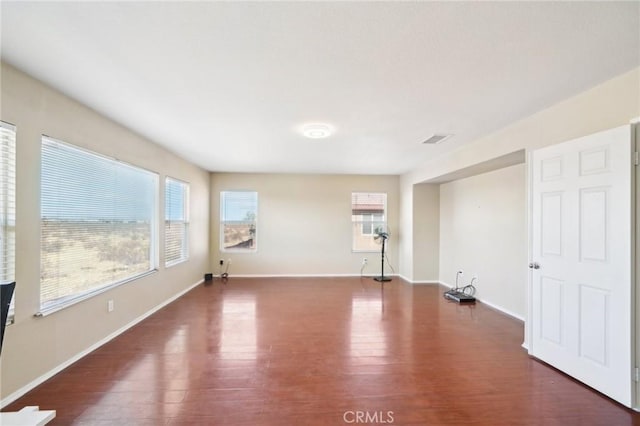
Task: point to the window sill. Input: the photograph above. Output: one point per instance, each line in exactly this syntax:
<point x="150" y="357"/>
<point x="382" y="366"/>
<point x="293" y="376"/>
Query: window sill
<point x="70" y="302"/>
<point x="239" y="251"/>
<point x="175" y="262"/>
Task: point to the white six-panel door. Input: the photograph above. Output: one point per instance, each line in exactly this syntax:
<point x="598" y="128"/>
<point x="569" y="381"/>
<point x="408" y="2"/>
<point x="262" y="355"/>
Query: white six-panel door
<point x="581" y="307"/>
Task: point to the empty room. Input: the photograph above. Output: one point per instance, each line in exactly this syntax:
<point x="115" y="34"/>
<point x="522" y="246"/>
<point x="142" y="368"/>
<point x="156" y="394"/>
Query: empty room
<point x="319" y="213"/>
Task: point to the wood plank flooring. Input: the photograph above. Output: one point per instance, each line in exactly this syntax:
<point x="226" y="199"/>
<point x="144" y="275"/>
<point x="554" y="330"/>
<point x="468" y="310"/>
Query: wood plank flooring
<point x="320" y="351"/>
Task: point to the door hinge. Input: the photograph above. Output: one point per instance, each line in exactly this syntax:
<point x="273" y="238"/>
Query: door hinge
<point x="636" y="158"/>
<point x="636" y="375"/>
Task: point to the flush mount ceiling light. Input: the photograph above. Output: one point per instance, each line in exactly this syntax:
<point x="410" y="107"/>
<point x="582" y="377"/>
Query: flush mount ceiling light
<point x="317" y="130"/>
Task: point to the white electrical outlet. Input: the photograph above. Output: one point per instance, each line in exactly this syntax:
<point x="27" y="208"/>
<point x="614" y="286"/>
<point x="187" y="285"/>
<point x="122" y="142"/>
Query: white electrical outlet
<point x="110" y="306"/>
<point x="364" y="261"/>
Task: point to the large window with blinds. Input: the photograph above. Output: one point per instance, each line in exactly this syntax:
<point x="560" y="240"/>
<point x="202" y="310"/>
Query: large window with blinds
<point x="368" y="217"/>
<point x="238" y="220"/>
<point x="176" y="221"/>
<point x="7" y="205"/>
<point x="98" y="223"/>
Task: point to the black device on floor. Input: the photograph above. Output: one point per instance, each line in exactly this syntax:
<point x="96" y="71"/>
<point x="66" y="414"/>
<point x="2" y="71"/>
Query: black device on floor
<point x="459" y="297"/>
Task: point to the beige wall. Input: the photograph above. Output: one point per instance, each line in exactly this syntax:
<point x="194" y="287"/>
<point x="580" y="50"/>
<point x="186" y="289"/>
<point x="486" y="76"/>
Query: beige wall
<point x="426" y="232"/>
<point x="483" y="232"/>
<point x="35" y="346"/>
<point x="405" y="243"/>
<point x="610" y="104"/>
<point x="304" y="223"/>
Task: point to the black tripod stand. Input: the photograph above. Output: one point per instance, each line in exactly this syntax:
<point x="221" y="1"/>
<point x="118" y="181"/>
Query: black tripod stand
<point x="382" y="278"/>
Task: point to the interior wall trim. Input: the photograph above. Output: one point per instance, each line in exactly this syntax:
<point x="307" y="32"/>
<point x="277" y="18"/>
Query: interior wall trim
<point x="303" y="275"/>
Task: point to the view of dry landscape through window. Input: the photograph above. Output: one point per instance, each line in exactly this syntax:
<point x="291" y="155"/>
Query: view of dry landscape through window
<point x="79" y="256"/>
<point x="97" y="222"/>
<point x="238" y="214"/>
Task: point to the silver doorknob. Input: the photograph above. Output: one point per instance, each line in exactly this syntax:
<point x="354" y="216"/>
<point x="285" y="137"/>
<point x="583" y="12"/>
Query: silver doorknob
<point x="534" y="265"/>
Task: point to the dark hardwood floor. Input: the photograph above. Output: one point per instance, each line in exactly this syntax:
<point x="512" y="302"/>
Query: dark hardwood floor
<point x="320" y="351"/>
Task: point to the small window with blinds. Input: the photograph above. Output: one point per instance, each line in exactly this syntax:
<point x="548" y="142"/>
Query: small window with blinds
<point x="238" y="220"/>
<point x="98" y="224"/>
<point x="8" y="207"/>
<point x="368" y="215"/>
<point x="176" y="221"/>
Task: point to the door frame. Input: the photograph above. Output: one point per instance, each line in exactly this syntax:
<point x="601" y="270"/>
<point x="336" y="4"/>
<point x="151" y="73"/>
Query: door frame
<point x="635" y="261"/>
<point x="528" y="331"/>
<point x="635" y="253"/>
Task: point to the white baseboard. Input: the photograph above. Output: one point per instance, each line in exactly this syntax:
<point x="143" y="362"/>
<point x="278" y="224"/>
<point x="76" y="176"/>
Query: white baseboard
<point x="503" y="310"/>
<point x="307" y="275"/>
<point x="231" y="276"/>
<point x="368" y="275"/>
<point x="411" y="281"/>
<point x="46" y="376"/>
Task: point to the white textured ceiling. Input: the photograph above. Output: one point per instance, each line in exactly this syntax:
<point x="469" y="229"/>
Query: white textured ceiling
<point x="226" y="85"/>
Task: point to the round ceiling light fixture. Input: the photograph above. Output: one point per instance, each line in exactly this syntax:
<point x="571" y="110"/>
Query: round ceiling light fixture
<point x="317" y="130"/>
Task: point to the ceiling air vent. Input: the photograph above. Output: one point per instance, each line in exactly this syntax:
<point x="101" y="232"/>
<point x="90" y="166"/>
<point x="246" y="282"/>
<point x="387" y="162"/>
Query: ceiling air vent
<point x="434" y="139"/>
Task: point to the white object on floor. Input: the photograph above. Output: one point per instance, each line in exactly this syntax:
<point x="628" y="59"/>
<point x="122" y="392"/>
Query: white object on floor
<point x="28" y="416"/>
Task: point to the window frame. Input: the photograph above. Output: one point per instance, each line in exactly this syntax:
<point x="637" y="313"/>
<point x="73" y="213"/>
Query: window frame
<point x="224" y="249"/>
<point x="369" y="223"/>
<point x="184" y="221"/>
<point x="66" y="301"/>
<point x="372" y="222"/>
<point x="8" y="171"/>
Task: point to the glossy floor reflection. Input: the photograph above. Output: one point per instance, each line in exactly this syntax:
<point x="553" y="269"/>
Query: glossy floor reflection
<point x="329" y="351"/>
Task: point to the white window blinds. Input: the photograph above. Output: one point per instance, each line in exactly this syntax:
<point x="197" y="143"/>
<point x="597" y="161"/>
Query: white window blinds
<point x="176" y="221"/>
<point x="97" y="223"/>
<point x="7" y="202"/>
<point x="238" y="220"/>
